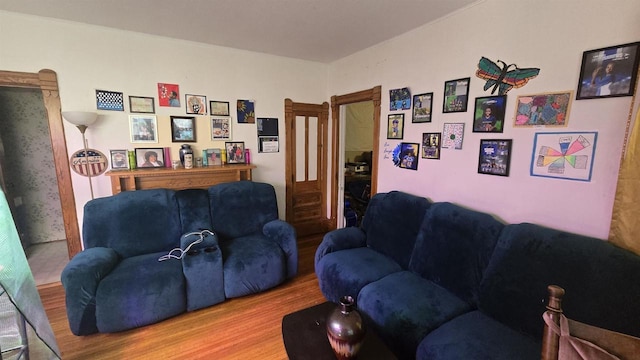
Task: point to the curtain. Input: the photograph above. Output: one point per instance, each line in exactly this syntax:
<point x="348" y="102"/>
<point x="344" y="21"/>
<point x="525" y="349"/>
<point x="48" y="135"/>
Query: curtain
<point x="625" y="220"/>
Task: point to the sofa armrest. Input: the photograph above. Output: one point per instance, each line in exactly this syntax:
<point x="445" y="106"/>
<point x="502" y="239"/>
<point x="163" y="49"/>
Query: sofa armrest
<point x="80" y="279"/>
<point x="284" y="235"/>
<point x="340" y="239"/>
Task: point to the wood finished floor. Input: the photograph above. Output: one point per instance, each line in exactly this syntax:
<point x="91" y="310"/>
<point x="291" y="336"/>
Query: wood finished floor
<point x="241" y="328"/>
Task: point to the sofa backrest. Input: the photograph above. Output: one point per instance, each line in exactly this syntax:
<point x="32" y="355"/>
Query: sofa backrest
<point x="241" y="208"/>
<point x="133" y="222"/>
<point x="602" y="281"/>
<point x="195" y="214"/>
<point x="392" y="221"/>
<point x="453" y="248"/>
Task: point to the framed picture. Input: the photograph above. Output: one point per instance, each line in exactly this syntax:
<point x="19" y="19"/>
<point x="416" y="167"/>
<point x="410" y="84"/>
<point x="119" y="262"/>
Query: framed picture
<point x="213" y="157"/>
<point x="431" y="145"/>
<point x="109" y="100"/>
<point x="488" y="115"/>
<point x="143" y="128"/>
<point x="221" y="128"/>
<point x="564" y="155"/>
<point x="422" y="107"/>
<point x="235" y="152"/>
<point x="399" y="99"/>
<point x="196" y="104"/>
<point x="119" y="160"/>
<point x="149" y="157"/>
<point x="183" y="129"/>
<point x="395" y="126"/>
<point x="142" y="105"/>
<point x="456" y="95"/>
<point x="169" y="95"/>
<point x="608" y="72"/>
<point x="409" y="155"/>
<point x="219" y="108"/>
<point x="246" y="112"/>
<point x="452" y="135"/>
<point x="548" y="109"/>
<point x="495" y="156"/>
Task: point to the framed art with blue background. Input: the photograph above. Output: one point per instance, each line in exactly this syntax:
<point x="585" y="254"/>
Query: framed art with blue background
<point x="608" y="72"/>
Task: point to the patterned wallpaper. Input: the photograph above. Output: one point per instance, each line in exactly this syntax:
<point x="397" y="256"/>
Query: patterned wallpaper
<point x="28" y="166"/>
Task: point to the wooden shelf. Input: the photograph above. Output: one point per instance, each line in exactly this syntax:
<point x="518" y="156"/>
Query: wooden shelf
<point x="178" y="179"/>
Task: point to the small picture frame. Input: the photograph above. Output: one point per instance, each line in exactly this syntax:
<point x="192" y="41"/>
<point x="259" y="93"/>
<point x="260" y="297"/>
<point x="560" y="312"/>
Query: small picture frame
<point x="399" y="99"/>
<point x="219" y="108"/>
<point x="183" y="129"/>
<point x="109" y="100"/>
<point x="169" y="95"/>
<point x="395" y="126"/>
<point x="213" y="157"/>
<point x="488" y="115"/>
<point x="431" y="145"/>
<point x="235" y="152"/>
<point x="119" y="160"/>
<point x="149" y="157"/>
<point x="142" y="105"/>
<point x="143" y="128"/>
<point x="456" y="95"/>
<point x="609" y="72"/>
<point x="422" y="105"/>
<point x="409" y="154"/>
<point x="495" y="156"/>
<point x="196" y="104"/>
<point x="221" y="128"/>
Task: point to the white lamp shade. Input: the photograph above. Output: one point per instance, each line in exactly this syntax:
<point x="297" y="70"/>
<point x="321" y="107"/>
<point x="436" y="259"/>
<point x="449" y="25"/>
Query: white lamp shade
<point x="78" y="118"/>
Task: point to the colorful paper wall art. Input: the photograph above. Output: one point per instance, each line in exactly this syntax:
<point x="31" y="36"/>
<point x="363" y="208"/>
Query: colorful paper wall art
<point x="564" y="155"/>
<point x="550" y="109"/>
<point x="246" y="112"/>
<point x="501" y="78"/>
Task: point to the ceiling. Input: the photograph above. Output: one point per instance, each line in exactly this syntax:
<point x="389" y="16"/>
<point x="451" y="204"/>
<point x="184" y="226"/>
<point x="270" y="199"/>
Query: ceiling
<point x="316" y="30"/>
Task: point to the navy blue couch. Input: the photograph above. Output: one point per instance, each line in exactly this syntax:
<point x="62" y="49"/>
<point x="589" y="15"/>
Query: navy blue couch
<point x="118" y="281"/>
<point x="439" y="281"/>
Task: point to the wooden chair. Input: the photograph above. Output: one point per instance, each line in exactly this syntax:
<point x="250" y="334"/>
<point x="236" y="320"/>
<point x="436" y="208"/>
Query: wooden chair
<point x="566" y="339"/>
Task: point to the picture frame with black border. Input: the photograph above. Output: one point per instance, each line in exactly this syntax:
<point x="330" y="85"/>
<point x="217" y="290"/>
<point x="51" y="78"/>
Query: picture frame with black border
<point x="149" y="157"/>
<point x="395" y="126"/>
<point x="431" y="145"/>
<point x="142" y="105"/>
<point x="422" y="106"/>
<point x="219" y="108"/>
<point x="495" y="156"/>
<point x="235" y="152"/>
<point x="456" y="95"/>
<point x="488" y="114"/>
<point x="609" y="72"/>
<point x="143" y="128"/>
<point x="119" y="159"/>
<point x="409" y="155"/>
<point x="196" y="104"/>
<point x="183" y="129"/>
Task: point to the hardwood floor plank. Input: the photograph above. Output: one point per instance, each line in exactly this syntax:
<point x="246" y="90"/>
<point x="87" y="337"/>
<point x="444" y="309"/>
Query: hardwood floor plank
<point x="242" y="328"/>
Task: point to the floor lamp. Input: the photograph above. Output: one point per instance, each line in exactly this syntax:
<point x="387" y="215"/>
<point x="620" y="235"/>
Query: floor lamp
<point x="82" y="120"/>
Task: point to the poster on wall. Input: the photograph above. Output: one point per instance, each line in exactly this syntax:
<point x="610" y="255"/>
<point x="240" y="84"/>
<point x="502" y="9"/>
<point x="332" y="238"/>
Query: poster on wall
<point x="246" y="112"/>
<point x="168" y="95"/>
<point x="564" y="155"/>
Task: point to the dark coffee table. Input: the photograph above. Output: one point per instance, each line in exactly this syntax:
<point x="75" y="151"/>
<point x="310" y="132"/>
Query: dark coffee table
<point x="305" y="336"/>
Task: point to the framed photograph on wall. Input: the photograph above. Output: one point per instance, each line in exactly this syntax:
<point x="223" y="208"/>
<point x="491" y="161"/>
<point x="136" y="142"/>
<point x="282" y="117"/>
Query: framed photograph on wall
<point x="169" y="95"/>
<point x="183" y="129"/>
<point x="109" y="100"/>
<point x="149" y="157"/>
<point x="235" y="152"/>
<point x="456" y="95"/>
<point x="495" y="157"/>
<point x="219" y="108"/>
<point x="422" y="107"/>
<point x="547" y="109"/>
<point x="431" y="145"/>
<point x="395" y="126"/>
<point x="143" y="128"/>
<point x="488" y="115"/>
<point x="399" y="99"/>
<point x="409" y="154"/>
<point x="196" y="104"/>
<point x="608" y="72"/>
<point x="119" y="159"/>
<point x="221" y="128"/>
<point x="142" y="105"/>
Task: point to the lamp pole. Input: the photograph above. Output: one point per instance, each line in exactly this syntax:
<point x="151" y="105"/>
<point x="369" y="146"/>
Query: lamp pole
<point x="82" y="129"/>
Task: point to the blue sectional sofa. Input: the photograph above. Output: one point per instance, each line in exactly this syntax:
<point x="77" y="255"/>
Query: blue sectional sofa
<point x="146" y="257"/>
<point x="439" y="281"/>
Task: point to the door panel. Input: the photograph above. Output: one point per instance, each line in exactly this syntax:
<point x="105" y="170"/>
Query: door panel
<point x="306" y="166"/>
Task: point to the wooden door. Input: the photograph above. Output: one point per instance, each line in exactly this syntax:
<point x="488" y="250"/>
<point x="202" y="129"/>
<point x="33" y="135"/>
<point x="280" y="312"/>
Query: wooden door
<point x="306" y="166"/>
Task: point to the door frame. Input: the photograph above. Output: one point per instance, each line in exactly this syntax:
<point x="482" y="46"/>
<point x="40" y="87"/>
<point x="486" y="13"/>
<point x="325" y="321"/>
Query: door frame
<point x="373" y="94"/>
<point x="47" y="81"/>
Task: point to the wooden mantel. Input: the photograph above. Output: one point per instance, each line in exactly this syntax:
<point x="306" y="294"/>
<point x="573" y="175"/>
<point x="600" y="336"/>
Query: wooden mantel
<point x="178" y="179"/>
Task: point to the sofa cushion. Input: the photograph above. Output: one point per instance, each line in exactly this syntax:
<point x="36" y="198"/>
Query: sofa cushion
<point x="252" y="264"/>
<point x="345" y="272"/>
<point x="392" y="221"/>
<point x="474" y="336"/>
<point x="453" y="248"/>
<point x="241" y="208"/>
<point x="139" y="291"/>
<point x="596" y="275"/>
<point x="405" y="307"/>
<point x="133" y="222"/>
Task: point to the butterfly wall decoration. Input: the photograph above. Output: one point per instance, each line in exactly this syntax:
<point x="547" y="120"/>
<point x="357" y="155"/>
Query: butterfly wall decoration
<point x="502" y="78"/>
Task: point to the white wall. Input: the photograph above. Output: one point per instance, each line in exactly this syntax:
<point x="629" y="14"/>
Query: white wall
<point x="89" y="57"/>
<point x="548" y="34"/>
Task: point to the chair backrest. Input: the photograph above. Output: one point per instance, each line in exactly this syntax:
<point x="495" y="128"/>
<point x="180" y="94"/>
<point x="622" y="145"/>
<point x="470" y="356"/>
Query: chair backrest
<point x="567" y="339"/>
